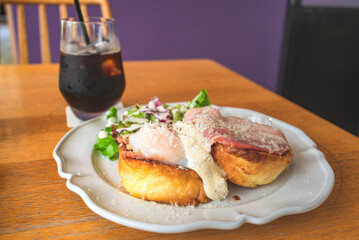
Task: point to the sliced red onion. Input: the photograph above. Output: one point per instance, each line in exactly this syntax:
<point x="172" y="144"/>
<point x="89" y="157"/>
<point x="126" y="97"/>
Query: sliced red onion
<point x="156" y="109"/>
<point x="156" y="101"/>
<point x="133" y="127"/>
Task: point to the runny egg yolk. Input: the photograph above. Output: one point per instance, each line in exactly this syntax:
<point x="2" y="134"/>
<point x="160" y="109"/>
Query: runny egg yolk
<point x="182" y="145"/>
<point x="159" y="142"/>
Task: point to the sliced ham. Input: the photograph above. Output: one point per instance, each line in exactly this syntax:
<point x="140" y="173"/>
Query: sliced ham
<point x="237" y="132"/>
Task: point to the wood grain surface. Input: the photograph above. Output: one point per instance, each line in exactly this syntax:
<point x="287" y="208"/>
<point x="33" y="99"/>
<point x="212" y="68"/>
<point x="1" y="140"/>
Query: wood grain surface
<point x="34" y="200"/>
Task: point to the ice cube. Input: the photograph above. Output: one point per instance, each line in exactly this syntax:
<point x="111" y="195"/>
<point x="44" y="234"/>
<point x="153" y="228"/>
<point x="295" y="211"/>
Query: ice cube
<point x="92" y="49"/>
<point x="71" y="47"/>
<point x="101" y="46"/>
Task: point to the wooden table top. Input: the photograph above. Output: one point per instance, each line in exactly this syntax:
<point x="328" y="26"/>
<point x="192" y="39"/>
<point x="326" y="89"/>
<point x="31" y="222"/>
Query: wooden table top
<point x="34" y="200"/>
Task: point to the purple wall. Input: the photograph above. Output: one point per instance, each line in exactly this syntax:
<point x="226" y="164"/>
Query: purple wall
<point x="243" y="35"/>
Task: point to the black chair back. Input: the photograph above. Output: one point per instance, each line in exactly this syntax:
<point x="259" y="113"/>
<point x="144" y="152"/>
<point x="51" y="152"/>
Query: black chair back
<point x="320" y="62"/>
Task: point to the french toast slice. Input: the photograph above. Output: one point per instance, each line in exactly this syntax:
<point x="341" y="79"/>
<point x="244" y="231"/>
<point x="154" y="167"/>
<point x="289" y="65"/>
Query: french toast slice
<point x="160" y="182"/>
<point x="249" y="168"/>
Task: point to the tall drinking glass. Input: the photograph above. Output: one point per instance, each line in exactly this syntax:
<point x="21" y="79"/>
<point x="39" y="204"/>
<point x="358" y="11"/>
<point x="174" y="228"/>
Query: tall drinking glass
<point x="91" y="71"/>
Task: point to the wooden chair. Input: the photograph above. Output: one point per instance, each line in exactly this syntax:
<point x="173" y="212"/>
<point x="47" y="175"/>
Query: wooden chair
<point x="22" y="49"/>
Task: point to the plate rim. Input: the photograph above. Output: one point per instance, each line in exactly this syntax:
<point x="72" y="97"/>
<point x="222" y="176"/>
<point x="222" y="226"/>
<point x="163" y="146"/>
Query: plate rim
<point x="199" y="224"/>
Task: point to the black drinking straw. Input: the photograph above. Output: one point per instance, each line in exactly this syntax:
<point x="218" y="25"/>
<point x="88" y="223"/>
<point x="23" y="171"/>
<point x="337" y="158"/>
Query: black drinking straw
<point x="81" y="18"/>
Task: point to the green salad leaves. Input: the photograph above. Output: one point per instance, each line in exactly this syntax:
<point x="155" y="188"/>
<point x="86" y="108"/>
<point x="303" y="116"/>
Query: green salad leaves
<point x="178" y="111"/>
<point x="107" y="146"/>
<point x="133" y="119"/>
<point x="201" y="100"/>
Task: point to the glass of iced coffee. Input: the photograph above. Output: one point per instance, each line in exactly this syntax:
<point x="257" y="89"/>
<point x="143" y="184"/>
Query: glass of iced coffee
<point x="91" y="71"/>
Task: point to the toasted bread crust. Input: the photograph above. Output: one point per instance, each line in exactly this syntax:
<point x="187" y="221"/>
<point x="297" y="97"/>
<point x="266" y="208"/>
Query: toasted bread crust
<point x="249" y="168"/>
<point x="156" y="181"/>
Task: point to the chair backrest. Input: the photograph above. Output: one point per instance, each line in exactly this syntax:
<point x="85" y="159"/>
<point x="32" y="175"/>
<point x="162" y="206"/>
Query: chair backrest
<point x="20" y="53"/>
<point x="320" y="67"/>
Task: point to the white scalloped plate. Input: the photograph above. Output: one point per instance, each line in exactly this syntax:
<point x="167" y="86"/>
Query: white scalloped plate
<point x="303" y="186"/>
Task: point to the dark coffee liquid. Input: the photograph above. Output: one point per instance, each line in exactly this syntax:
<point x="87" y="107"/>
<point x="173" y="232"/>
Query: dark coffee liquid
<point x="91" y="83"/>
